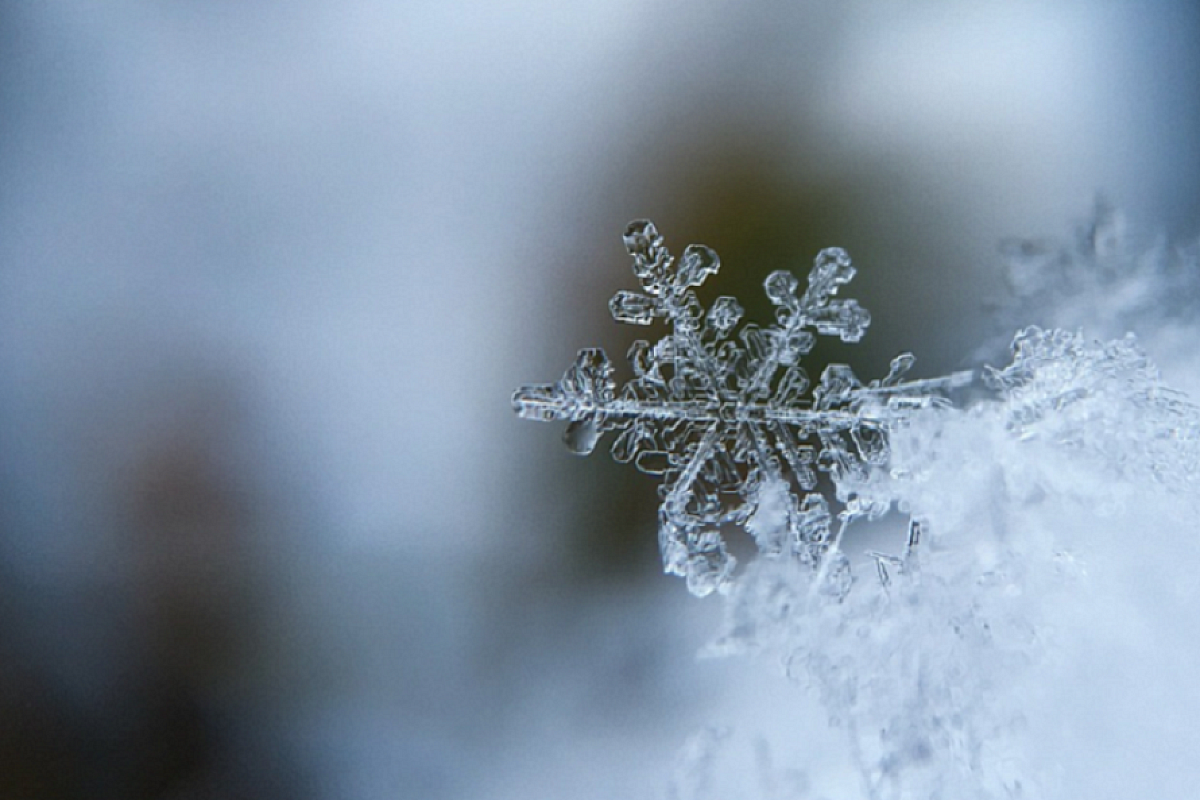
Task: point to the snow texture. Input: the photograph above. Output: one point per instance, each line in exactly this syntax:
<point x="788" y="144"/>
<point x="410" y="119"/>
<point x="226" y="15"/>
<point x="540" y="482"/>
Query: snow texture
<point x="931" y="675"/>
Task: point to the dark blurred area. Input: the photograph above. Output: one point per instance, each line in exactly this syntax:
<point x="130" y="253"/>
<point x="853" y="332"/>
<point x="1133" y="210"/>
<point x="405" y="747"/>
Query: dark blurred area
<point x="269" y="273"/>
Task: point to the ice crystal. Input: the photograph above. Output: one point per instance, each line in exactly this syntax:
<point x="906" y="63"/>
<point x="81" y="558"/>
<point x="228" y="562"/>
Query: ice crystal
<point x="730" y="418"/>
<point x="1104" y="398"/>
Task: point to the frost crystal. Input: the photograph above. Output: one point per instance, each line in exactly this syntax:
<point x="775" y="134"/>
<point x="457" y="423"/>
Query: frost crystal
<point x="1104" y="399"/>
<point x="732" y="422"/>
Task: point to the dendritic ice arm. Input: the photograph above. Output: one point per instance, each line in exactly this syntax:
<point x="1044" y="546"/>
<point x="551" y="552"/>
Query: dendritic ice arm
<point x="728" y="416"/>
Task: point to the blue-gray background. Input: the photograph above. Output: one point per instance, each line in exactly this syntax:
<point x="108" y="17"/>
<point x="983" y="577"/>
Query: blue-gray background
<point x="270" y="271"/>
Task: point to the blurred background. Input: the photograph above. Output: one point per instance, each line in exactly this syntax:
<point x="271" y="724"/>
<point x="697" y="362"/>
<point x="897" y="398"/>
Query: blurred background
<point x="269" y="273"/>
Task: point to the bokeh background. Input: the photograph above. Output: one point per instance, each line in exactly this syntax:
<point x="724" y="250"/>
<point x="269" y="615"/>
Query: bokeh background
<point x="269" y="273"/>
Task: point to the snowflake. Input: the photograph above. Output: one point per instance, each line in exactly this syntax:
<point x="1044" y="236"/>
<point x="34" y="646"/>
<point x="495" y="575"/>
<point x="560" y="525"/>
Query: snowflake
<point x="729" y="417"/>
